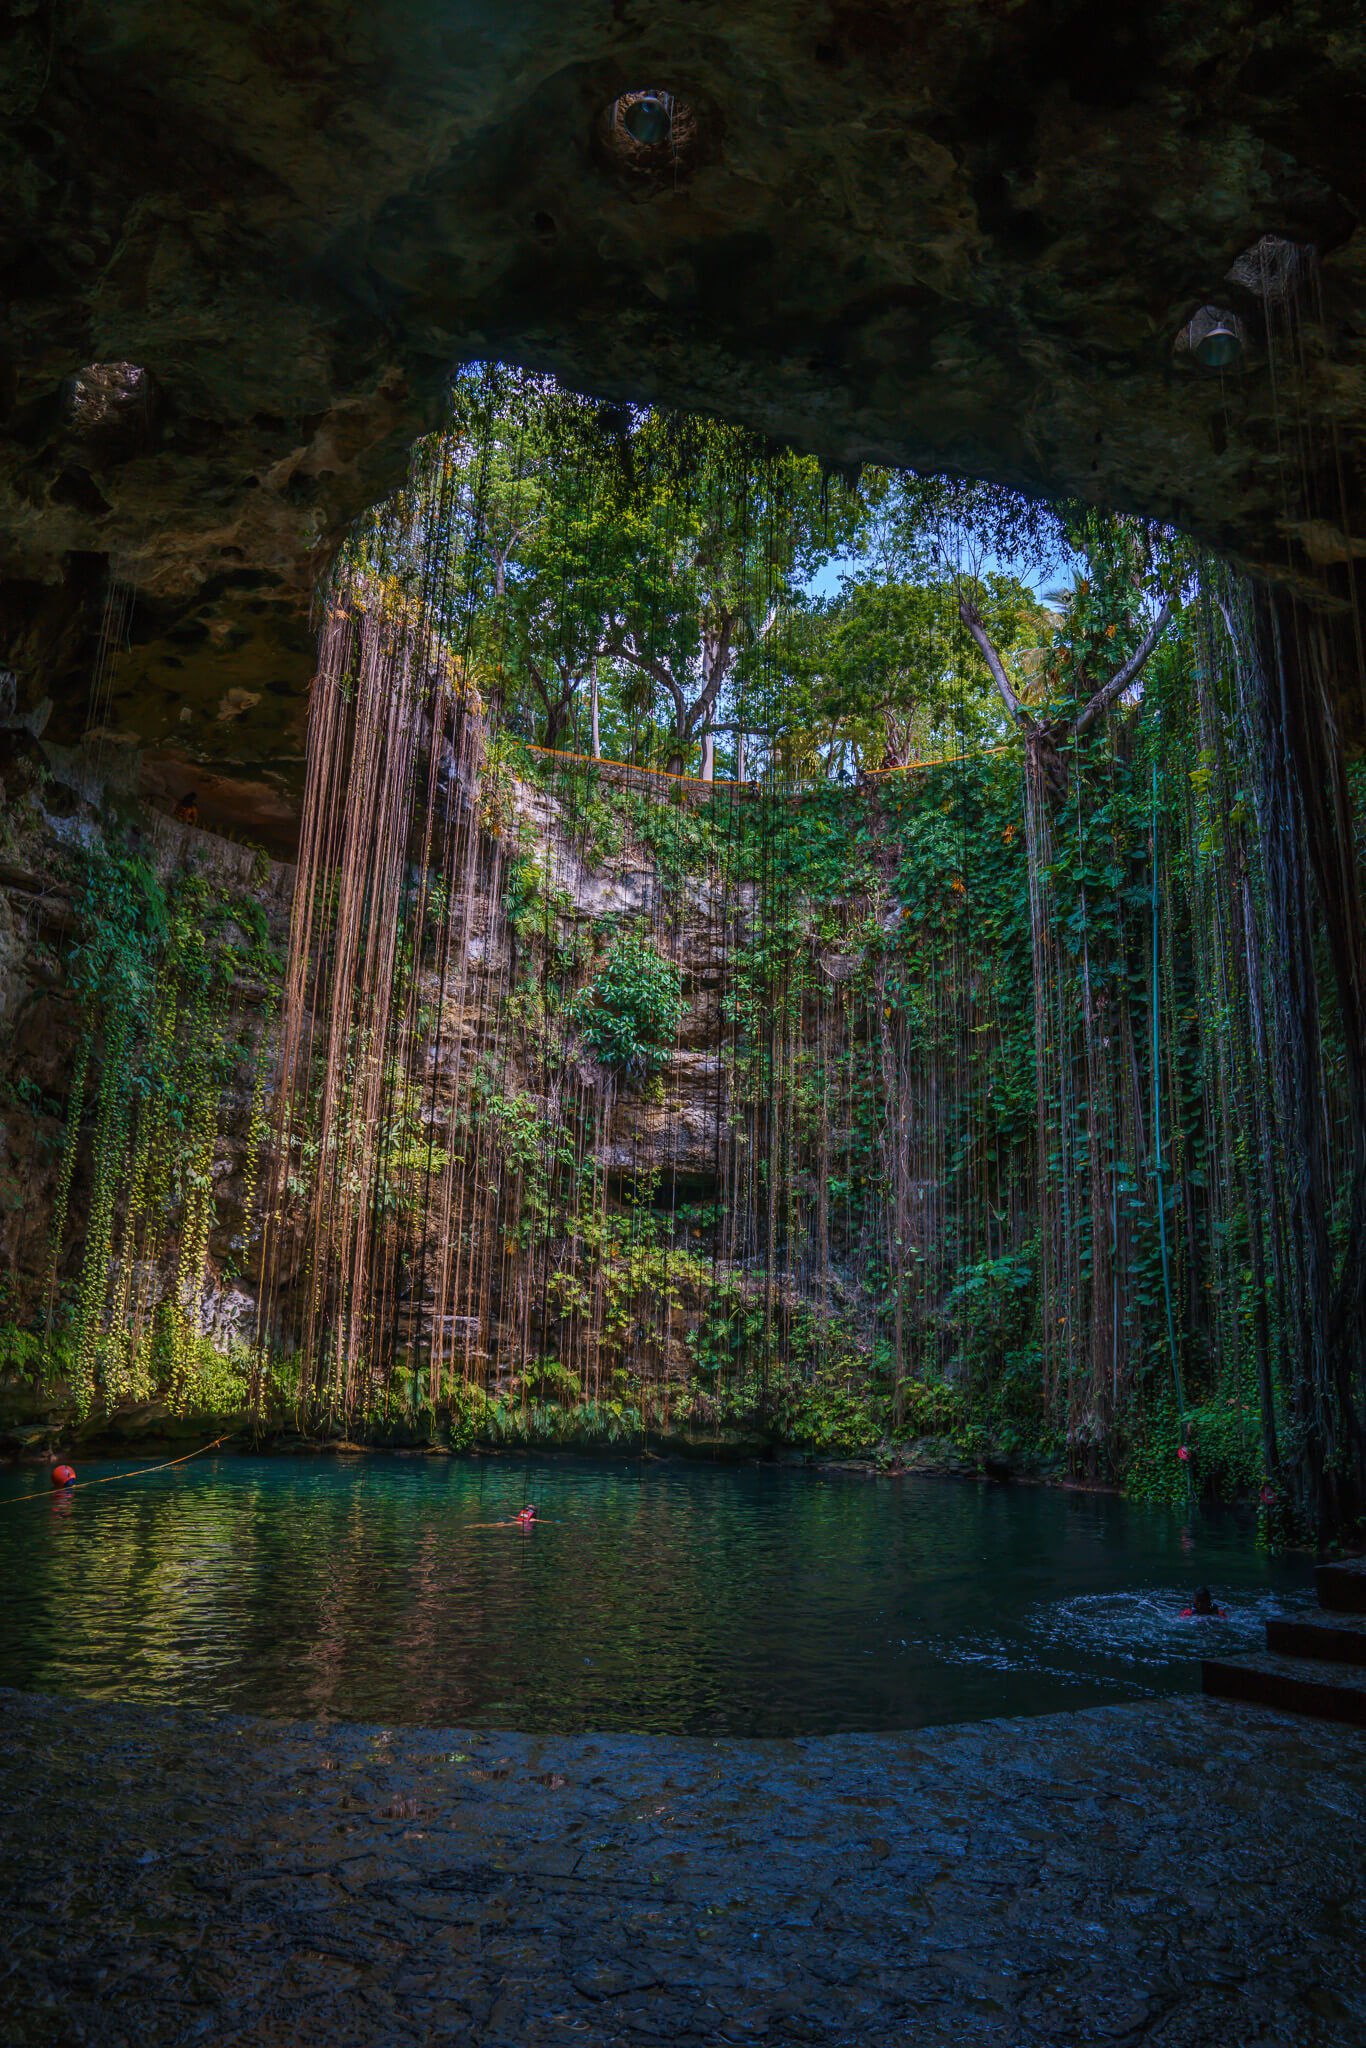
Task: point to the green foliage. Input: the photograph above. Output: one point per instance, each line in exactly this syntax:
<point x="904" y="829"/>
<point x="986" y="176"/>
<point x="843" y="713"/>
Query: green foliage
<point x="674" y="832"/>
<point x="836" y="1412"/>
<point x="525" y="896"/>
<point x="631" y="1010"/>
<point x="995" y="1162"/>
<point x="153" y="968"/>
<point x="27" y="1354"/>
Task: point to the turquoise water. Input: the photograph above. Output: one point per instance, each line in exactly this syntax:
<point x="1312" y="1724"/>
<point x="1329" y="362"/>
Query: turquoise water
<point x="659" y="1597"/>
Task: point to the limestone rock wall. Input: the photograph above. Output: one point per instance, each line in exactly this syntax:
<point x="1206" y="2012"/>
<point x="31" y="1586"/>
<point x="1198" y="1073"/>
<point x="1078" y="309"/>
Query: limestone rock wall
<point x="55" y="801"/>
<point x="674" y="1128"/>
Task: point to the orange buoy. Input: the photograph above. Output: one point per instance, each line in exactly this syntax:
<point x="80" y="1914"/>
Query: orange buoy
<point x="64" y="1475"/>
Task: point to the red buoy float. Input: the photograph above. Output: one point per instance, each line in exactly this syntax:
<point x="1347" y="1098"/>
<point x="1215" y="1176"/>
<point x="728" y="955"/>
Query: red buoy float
<point x="64" y="1475"/>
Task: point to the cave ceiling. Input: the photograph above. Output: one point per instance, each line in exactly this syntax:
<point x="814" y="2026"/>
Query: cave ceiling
<point x="959" y="234"/>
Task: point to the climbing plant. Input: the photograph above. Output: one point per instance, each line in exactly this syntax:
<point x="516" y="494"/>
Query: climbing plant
<point x="175" y="980"/>
<point x="630" y="1011"/>
<point x="995" y="1113"/>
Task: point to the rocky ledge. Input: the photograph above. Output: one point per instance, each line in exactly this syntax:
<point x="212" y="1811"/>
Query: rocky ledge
<point x="1173" y="1874"/>
<point x="243" y="247"/>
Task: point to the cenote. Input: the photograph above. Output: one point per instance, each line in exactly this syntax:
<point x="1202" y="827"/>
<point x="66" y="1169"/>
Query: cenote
<point x="683" y="835"/>
<point x="658" y="1597"/>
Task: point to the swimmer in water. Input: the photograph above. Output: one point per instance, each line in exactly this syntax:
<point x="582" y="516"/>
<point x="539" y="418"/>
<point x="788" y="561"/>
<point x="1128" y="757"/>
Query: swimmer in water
<point x="527" y="1515"/>
<point x="1202" y="1607"/>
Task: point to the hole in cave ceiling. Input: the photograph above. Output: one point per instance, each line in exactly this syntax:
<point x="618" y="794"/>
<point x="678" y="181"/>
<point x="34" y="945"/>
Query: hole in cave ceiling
<point x="650" y="135"/>
<point x="1274" y="270"/>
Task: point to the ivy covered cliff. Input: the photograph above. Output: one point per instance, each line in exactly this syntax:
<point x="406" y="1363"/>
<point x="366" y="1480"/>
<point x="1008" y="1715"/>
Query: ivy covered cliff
<point x="717" y="1004"/>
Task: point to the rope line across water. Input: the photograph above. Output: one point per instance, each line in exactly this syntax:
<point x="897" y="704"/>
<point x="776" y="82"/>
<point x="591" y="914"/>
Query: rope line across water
<point x="111" y="1478"/>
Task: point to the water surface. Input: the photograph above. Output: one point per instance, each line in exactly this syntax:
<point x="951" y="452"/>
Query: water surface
<point x="657" y="1597"/>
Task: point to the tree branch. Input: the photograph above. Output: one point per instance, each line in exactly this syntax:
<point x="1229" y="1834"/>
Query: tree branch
<point x="967" y="612"/>
<point x="618" y="645"/>
<point x="716" y="667"/>
<point x="1123" y="676"/>
<point x="539" y="683"/>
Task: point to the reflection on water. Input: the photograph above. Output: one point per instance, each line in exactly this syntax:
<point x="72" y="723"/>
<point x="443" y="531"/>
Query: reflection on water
<point x="658" y="1597"/>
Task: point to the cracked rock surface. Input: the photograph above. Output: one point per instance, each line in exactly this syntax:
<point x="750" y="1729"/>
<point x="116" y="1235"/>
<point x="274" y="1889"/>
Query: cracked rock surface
<point x="1180" y="1873"/>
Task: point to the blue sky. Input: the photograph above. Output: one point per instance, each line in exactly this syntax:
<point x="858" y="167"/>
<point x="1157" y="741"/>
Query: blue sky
<point x="826" y="581"/>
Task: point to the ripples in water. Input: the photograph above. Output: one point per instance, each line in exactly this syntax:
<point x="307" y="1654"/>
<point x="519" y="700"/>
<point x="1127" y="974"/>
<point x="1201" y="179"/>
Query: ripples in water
<point x="1122" y="1642"/>
<point x="665" y="1598"/>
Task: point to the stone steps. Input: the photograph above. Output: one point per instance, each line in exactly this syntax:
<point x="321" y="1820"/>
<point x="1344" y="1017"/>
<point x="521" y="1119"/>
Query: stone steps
<point x="1342" y="1587"/>
<point x="1313" y="1663"/>
<point x="1334" y="1638"/>
<point x="1295" y="1685"/>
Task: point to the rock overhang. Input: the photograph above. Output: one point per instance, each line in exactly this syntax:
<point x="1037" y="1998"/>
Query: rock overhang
<point x="243" y="252"/>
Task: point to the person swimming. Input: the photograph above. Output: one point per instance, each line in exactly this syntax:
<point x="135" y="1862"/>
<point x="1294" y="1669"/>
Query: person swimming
<point x="527" y="1515"/>
<point x="1202" y="1607"/>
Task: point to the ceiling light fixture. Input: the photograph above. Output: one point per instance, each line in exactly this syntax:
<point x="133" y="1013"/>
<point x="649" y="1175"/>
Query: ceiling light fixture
<point x="1217" y="339"/>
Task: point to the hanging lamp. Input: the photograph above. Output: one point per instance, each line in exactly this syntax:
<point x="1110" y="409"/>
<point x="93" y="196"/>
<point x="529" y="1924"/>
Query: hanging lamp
<point x="648" y="119"/>
<point x="1217" y="339"/>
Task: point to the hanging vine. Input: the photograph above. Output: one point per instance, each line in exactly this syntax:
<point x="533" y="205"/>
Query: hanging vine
<point x="155" y="974"/>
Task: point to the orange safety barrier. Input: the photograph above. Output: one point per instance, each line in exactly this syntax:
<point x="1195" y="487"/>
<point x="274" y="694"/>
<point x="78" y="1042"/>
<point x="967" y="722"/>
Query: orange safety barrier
<point x="944" y="761"/>
<point x="634" y="768"/>
<point x="754" y="788"/>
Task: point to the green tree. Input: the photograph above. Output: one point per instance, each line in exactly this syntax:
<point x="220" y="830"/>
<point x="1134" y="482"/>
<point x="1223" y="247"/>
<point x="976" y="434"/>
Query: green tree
<point x="1110" y="622"/>
<point x="891" y="672"/>
<point x="715" y="545"/>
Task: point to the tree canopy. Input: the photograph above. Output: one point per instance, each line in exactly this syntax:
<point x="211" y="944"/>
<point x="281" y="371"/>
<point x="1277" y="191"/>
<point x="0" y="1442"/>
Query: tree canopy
<point x="664" y="589"/>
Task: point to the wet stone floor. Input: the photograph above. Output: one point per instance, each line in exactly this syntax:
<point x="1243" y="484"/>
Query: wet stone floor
<point x="1178" y="1872"/>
